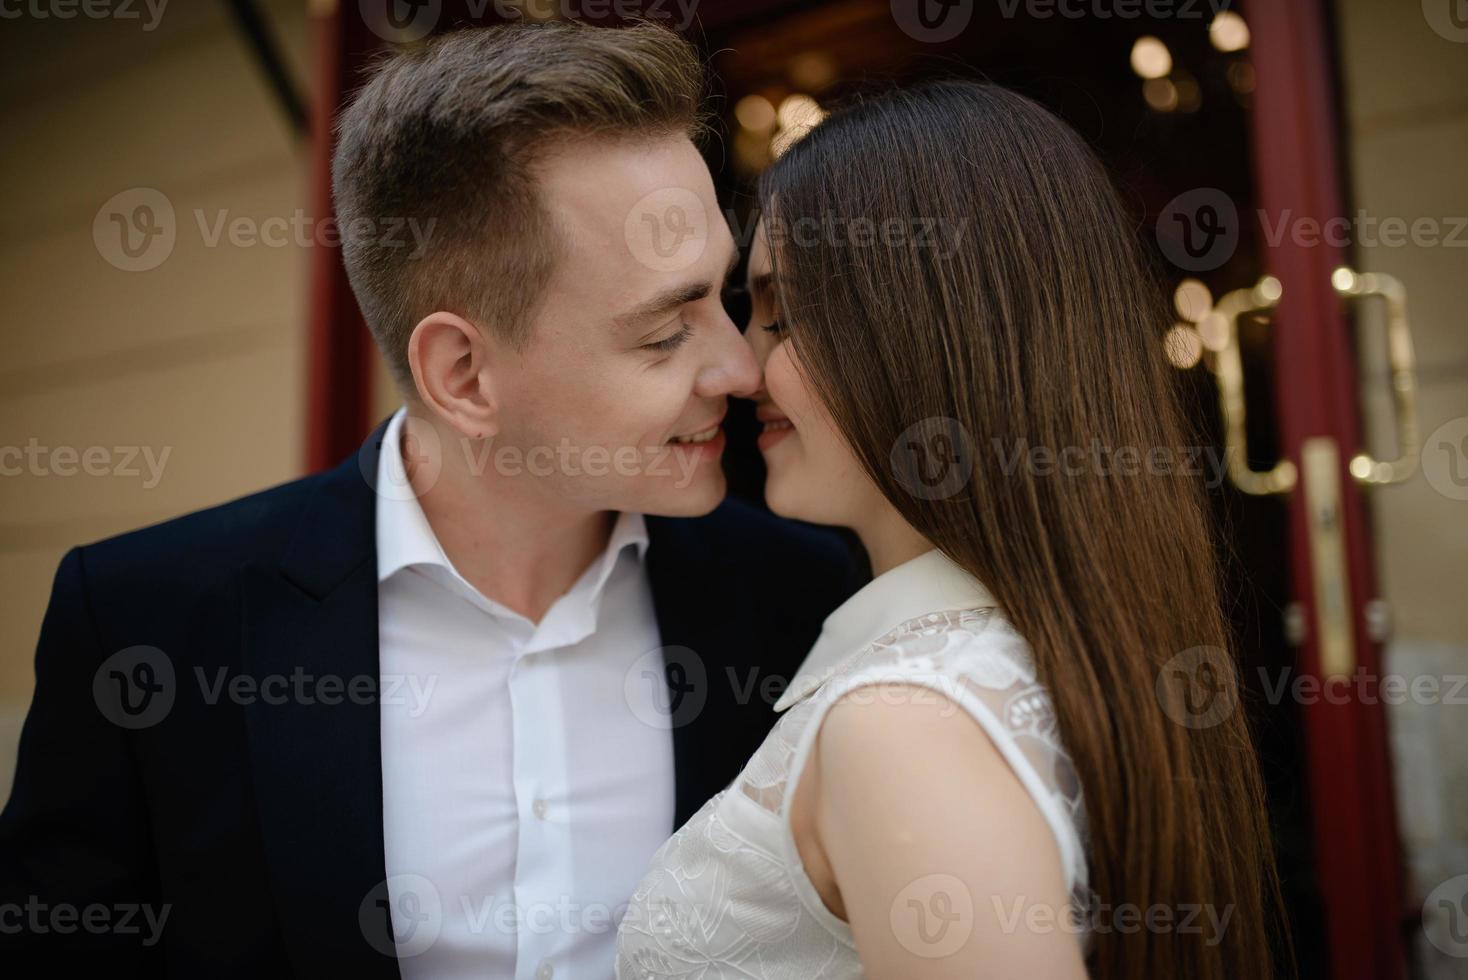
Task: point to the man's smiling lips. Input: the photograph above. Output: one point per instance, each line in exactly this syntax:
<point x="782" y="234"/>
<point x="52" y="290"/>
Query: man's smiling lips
<point x="700" y="436"/>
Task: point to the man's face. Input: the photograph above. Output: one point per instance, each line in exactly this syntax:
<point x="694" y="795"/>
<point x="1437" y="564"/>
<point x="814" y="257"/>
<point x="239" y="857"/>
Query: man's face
<point x="631" y="357"/>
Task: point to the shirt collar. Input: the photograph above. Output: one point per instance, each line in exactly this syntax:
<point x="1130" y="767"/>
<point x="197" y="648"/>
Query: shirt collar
<point x="405" y="538"/>
<point x="929" y="583"/>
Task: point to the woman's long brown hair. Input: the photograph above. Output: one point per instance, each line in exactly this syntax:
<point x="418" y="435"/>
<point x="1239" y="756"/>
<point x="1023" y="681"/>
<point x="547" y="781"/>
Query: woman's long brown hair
<point x="1000" y="285"/>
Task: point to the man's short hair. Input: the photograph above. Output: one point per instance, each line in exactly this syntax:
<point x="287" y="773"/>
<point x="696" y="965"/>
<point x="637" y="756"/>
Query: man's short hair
<point x="446" y="134"/>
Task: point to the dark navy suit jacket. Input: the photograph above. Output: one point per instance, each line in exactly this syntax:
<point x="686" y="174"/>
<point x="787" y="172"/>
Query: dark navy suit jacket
<point x="252" y="814"/>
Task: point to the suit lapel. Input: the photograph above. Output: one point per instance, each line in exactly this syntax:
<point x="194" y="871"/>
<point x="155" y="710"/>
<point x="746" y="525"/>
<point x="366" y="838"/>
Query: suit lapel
<point x="709" y="649"/>
<point x="316" y="759"/>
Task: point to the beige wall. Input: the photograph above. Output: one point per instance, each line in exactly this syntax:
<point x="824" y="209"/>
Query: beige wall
<point x="201" y="357"/>
<point x="1406" y="91"/>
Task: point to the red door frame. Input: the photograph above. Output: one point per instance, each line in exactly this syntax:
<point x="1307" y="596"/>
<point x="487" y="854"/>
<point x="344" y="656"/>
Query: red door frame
<point x="339" y="365"/>
<point x="1295" y="146"/>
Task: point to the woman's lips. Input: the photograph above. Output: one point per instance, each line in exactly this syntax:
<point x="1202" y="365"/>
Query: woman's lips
<point x="776" y="428"/>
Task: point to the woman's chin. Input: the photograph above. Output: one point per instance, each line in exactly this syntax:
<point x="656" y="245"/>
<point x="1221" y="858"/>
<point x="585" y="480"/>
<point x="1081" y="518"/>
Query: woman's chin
<point x="786" y="495"/>
<point x="778" y="492"/>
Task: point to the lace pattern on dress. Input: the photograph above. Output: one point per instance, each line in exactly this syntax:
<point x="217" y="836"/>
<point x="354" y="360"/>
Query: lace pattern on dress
<point x="975" y="659"/>
<point x="727" y="896"/>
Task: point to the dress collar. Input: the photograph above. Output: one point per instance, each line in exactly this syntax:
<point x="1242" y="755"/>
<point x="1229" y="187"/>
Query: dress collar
<point x="931" y="582"/>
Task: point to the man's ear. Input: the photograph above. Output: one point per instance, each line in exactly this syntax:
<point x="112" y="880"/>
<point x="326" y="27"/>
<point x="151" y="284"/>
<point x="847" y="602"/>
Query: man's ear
<point x="451" y="362"/>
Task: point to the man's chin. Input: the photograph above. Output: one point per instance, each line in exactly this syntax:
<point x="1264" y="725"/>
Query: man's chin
<point x="696" y="499"/>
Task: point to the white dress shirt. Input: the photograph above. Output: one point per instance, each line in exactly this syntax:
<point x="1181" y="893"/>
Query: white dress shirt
<point x="526" y="781"/>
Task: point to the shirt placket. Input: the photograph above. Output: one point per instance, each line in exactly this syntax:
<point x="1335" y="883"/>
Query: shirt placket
<point x="544" y="884"/>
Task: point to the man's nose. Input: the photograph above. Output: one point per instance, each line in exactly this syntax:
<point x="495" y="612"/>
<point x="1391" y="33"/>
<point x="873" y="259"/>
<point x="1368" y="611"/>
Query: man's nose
<point x="732" y="368"/>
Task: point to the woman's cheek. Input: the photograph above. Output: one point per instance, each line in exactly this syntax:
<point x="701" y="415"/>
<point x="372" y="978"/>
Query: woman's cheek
<point x="785" y="385"/>
<point x="762" y="342"/>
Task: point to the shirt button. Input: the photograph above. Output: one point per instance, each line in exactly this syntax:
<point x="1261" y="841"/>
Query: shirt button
<point x="545" y="972"/>
<point x="538" y="808"/>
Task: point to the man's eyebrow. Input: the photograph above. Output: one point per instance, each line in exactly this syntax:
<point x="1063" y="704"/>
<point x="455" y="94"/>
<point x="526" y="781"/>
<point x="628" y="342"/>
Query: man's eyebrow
<point x="671" y="299"/>
<point x="663" y="303"/>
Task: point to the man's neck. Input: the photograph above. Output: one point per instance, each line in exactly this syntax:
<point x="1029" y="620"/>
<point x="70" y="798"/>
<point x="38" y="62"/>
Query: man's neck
<point x="517" y="547"/>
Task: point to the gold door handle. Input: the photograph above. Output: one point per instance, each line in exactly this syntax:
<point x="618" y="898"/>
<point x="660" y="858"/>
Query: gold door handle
<point x="1228" y="368"/>
<point x="1352" y="285"/>
<point x="1319" y="456"/>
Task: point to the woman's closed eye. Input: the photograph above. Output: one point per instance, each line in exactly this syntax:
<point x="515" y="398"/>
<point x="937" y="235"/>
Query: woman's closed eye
<point x="775" y="327"/>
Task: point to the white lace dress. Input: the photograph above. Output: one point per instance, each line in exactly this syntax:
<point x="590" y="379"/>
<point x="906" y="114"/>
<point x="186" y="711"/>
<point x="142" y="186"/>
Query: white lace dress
<point x="727" y="896"/>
